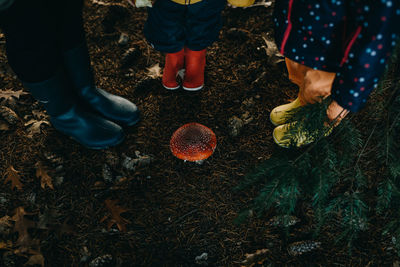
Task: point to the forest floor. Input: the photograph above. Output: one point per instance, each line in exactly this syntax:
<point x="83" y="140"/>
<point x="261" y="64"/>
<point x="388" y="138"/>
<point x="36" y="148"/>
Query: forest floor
<point x="71" y="206"/>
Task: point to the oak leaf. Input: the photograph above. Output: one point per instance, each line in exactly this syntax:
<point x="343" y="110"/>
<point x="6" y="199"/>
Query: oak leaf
<point x="34" y="127"/>
<point x="116" y="217"/>
<point x="36" y="259"/>
<point x="5" y="225"/>
<point x="12" y="175"/>
<point x="21" y="226"/>
<point x="154" y="71"/>
<point x="6" y="244"/>
<point x="259" y="257"/>
<point x="45" y="179"/>
<point x="4" y="126"/>
<point x="9" y="94"/>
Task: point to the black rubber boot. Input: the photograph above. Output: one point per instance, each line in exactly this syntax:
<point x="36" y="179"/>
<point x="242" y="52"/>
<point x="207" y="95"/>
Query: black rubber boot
<point x="112" y="107"/>
<point x="89" y="129"/>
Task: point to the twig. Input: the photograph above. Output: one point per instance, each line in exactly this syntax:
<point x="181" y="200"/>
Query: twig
<point x="101" y="3"/>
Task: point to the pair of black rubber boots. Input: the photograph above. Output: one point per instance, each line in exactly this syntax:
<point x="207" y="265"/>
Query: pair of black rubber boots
<point x="89" y="115"/>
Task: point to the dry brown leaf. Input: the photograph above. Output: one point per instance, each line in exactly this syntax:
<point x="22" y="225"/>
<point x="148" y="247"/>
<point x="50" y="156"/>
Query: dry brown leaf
<point x="9" y="115"/>
<point x="45" y="179"/>
<point x="9" y="94"/>
<point x="36" y="259"/>
<point x="5" y="225"/>
<point x="116" y="217"/>
<point x="4" y="126"/>
<point x="21" y="226"/>
<point x="12" y="175"/>
<point x="256" y="258"/>
<point x="154" y="71"/>
<point x="6" y="245"/>
<point x="272" y="51"/>
<point x="34" y="127"/>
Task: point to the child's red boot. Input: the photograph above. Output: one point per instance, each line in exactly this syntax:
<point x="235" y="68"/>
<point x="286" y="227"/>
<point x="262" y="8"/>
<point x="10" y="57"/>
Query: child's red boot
<point x="195" y="62"/>
<point x="173" y="63"/>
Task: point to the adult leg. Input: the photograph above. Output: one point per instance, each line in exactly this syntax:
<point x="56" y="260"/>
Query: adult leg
<point x="76" y="62"/>
<point x="34" y="55"/>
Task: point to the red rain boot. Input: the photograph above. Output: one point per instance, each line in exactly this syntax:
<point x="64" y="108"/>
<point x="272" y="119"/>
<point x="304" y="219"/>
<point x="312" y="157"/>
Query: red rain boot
<point x="195" y="62"/>
<point x="173" y="63"/>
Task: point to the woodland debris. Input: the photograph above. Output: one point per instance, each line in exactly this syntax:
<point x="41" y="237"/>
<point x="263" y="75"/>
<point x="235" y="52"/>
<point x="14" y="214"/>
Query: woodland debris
<point x="257" y="257"/>
<point x="101" y="261"/>
<point x="274" y="56"/>
<point x="5" y="225"/>
<point x="154" y="71"/>
<point x="10" y="95"/>
<point x="130" y="56"/>
<point x="12" y="175"/>
<point x="35" y="127"/>
<point x="263" y="3"/>
<point x="111" y="158"/>
<point x="115" y="218"/>
<point x="21" y="226"/>
<point x="248" y="102"/>
<point x="236" y="124"/>
<point x="107" y="173"/>
<point x="4" y="126"/>
<point x="202" y="259"/>
<point x="56" y="165"/>
<point x="283" y="221"/>
<point x="123" y="39"/>
<point x="140" y="3"/>
<point x="139" y="160"/>
<point x="42" y="174"/>
<point x="301" y="247"/>
<point x="36" y="259"/>
<point x="237" y="35"/>
<point x="39" y="115"/>
<point x="9" y="115"/>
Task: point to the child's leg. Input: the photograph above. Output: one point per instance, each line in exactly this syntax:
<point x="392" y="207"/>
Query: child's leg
<point x="173" y="63"/>
<point x="195" y="63"/>
<point x="296" y="73"/>
<point x="202" y="28"/>
<point x="165" y="31"/>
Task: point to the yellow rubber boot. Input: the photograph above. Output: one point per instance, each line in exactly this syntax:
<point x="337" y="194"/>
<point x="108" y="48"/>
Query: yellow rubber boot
<point x="278" y="114"/>
<point x="241" y="3"/>
<point x="283" y="139"/>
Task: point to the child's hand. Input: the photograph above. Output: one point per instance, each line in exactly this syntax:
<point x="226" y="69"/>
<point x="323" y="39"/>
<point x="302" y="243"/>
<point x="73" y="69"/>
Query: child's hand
<point x="141" y="3"/>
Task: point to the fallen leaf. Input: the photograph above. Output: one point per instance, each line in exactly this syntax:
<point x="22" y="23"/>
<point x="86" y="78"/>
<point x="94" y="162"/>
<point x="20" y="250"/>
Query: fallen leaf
<point x="154" y="71"/>
<point x="12" y="175"/>
<point x="256" y="258"/>
<point x="116" y="217"/>
<point x="34" y="127"/>
<point x="4" y="126"/>
<point x="21" y="226"/>
<point x="39" y="115"/>
<point x="6" y="245"/>
<point x="36" y="259"/>
<point x="45" y="179"/>
<point x="9" y="115"/>
<point x="272" y="50"/>
<point x="9" y="94"/>
<point x="5" y="225"/>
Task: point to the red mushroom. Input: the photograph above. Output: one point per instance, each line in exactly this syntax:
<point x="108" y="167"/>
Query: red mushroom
<point x="193" y="142"/>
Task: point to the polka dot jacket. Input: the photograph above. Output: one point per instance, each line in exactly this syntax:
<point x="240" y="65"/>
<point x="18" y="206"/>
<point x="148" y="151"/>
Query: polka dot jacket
<point x="353" y="38"/>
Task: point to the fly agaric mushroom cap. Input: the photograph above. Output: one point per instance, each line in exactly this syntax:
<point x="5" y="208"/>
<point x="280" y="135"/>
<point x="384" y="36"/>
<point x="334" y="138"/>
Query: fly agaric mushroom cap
<point x="193" y="142"/>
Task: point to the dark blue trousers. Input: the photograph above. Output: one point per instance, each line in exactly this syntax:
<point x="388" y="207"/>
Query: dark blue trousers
<point x="171" y="26"/>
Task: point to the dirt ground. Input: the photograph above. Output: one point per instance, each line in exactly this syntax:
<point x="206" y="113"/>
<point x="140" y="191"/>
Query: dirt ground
<point x="106" y="210"/>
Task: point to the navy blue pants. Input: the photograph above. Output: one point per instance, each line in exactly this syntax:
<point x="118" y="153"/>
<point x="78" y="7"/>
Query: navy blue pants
<point x="37" y="32"/>
<point x="171" y="26"/>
